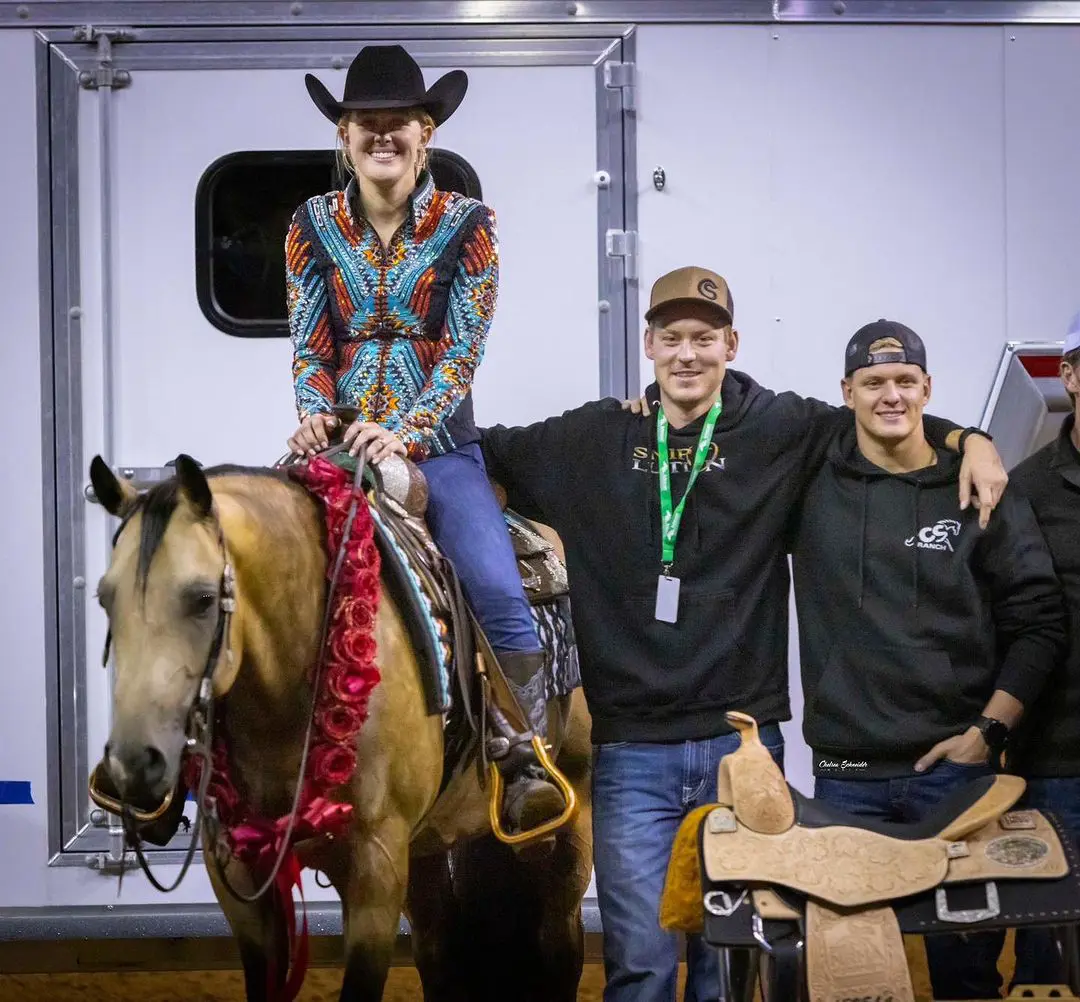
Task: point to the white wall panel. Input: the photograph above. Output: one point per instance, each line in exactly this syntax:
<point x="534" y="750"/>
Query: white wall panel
<point x="22" y="621"/>
<point x="1042" y="163"/>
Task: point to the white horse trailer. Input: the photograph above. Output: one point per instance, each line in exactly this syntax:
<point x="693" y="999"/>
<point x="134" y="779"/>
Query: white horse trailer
<point x="836" y="161"/>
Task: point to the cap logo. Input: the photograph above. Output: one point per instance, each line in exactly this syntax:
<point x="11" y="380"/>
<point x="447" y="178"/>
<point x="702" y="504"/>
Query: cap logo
<point x="707" y="288"/>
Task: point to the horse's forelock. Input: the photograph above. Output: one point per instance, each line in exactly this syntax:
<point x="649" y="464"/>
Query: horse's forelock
<point x="159" y="504"/>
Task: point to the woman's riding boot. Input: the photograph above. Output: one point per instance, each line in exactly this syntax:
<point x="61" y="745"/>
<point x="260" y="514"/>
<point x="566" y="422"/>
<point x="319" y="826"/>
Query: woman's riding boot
<point x="531" y="798"/>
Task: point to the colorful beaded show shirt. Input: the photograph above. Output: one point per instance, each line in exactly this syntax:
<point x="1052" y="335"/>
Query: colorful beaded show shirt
<point x="395" y="331"/>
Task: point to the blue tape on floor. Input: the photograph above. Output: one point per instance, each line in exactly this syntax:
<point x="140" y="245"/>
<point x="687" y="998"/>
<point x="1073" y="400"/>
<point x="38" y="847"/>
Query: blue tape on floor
<point x="15" y="792"/>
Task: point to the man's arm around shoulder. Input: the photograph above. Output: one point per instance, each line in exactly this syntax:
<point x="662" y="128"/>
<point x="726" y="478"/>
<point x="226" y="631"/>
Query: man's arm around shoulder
<point x="536" y="463"/>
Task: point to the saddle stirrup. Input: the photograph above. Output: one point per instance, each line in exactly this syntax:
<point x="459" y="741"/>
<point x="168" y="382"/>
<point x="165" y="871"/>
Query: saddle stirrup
<point x="519" y="753"/>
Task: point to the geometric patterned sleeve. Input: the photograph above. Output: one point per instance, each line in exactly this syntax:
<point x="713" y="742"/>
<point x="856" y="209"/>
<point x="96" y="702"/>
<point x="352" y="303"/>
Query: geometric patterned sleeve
<point x="469" y="311"/>
<point x="315" y="360"/>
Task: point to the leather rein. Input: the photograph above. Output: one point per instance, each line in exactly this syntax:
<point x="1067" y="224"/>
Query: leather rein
<point x="199" y="728"/>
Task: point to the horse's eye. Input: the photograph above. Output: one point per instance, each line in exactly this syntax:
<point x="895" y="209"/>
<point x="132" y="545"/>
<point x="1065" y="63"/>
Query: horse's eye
<point x="200" y="605"/>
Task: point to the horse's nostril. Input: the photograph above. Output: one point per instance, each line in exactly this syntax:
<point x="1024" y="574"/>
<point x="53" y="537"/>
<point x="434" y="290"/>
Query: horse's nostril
<point x="153" y="765"/>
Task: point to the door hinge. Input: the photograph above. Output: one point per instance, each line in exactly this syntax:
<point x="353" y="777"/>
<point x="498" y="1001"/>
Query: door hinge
<point x="620" y="76"/>
<point x="106" y="75"/>
<point x="623" y="243"/>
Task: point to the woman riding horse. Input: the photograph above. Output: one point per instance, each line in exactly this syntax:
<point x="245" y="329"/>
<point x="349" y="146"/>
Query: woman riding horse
<point x="391" y="290"/>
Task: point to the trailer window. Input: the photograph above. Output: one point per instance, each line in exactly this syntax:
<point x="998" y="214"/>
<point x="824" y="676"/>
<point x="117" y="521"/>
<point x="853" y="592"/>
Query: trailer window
<point x="243" y="206"/>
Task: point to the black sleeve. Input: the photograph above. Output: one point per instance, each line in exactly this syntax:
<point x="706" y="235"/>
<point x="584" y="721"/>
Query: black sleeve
<point x="1027" y="601"/>
<point x="535" y="463"/>
<point x="938" y="429"/>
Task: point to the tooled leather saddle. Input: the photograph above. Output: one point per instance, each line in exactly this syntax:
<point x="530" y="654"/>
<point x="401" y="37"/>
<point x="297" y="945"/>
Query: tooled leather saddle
<point x="828" y="895"/>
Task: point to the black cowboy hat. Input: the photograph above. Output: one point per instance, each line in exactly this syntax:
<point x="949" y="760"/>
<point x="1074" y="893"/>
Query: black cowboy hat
<point x="386" y="76"/>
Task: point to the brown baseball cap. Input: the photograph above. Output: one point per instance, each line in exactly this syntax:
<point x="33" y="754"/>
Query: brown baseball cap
<point x="692" y="285"/>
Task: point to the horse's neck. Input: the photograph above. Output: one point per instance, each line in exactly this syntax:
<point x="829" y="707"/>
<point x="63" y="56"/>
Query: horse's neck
<point x="275" y="541"/>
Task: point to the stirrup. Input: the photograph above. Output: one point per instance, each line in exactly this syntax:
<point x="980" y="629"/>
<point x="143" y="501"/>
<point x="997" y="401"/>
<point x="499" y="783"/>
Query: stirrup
<point x="495" y="805"/>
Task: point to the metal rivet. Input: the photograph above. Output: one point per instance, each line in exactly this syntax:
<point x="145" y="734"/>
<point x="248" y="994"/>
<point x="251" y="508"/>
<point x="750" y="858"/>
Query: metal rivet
<point x="775" y="37"/>
<point x="1012" y="38"/>
<point x="839" y="7"/>
<point x="296" y="8"/>
<point x="776" y="319"/>
<point x="86" y="77"/>
<point x="22" y="11"/>
<point x="571" y="8"/>
<point x="604" y="306"/>
<point x="79" y="582"/>
<point x="75" y="312"/>
<point x="337" y="62"/>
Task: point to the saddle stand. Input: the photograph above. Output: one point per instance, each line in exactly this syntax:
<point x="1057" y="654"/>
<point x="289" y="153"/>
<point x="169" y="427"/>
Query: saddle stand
<point x="826" y="896"/>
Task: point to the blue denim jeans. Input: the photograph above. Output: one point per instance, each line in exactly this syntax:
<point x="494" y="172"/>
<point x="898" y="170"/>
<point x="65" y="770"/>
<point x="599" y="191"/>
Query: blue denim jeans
<point x="468" y="527"/>
<point x="641" y="793"/>
<point x="1037" y="959"/>
<point x="962" y="966"/>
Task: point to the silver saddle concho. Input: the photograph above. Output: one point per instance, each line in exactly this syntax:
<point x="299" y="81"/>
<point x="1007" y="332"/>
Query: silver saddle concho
<point x="834" y="893"/>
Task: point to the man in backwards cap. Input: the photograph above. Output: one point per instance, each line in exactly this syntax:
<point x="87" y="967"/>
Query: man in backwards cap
<point x="674" y="524"/>
<point x="922" y="637"/>
<point x="1047" y="753"/>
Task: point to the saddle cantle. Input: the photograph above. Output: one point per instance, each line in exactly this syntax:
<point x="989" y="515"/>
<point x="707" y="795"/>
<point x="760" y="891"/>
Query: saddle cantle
<point x="766" y="866"/>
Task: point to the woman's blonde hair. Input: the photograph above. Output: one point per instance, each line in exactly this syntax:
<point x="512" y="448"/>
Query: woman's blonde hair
<point x="345" y="163"/>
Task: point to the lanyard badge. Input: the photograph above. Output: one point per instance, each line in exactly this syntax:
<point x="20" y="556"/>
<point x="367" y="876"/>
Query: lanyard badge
<point x="667" y="587"/>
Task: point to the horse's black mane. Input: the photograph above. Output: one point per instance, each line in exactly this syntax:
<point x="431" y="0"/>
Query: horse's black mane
<point x="160" y="502"/>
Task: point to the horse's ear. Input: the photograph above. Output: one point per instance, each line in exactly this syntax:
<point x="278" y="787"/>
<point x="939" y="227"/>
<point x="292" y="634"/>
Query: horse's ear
<point x="116" y="495"/>
<point x="194" y="485"/>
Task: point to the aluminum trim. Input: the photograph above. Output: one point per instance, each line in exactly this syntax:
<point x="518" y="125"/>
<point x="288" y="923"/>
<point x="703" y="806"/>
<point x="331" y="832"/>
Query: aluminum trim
<point x="142" y="922"/>
<point x="1012" y="349"/>
<point x="349" y="35"/>
<point x="77" y="837"/>
<point x="51" y="610"/>
<point x="609" y="211"/>
<point x="329" y="54"/>
<point x="61" y="13"/>
<point x="631" y="316"/>
<point x="68" y="811"/>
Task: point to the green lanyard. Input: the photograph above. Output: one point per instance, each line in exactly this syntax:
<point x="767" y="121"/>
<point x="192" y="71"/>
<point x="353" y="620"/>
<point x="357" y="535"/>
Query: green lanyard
<point x="672" y="518"/>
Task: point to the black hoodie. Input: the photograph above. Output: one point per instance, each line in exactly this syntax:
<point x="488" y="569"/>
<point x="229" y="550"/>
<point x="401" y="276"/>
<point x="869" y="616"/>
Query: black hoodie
<point x="1048" y="743"/>
<point x="591" y="474"/>
<point x="910" y="616"/>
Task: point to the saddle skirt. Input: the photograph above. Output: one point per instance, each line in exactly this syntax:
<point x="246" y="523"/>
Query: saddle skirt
<point x="765" y="857"/>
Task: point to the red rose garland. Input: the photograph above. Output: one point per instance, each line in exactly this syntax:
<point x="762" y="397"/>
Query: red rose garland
<point x="348" y="676"/>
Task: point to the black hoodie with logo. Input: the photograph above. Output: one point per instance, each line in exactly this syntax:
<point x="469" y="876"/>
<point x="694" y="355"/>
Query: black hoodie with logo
<point x="910" y="615"/>
<point x="1048" y="742"/>
<point x="591" y="473"/>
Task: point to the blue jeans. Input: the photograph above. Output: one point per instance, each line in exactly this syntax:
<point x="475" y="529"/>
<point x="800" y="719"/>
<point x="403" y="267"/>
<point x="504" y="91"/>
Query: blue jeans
<point x="1037" y="958"/>
<point x="962" y="966"/>
<point x="469" y="528"/>
<point x="641" y="793"/>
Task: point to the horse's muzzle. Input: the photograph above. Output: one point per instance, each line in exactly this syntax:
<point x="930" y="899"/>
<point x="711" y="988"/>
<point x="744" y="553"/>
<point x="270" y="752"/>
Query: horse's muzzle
<point x="156" y="825"/>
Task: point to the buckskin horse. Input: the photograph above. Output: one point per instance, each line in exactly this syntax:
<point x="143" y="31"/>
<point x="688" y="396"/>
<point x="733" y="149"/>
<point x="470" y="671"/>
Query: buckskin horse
<point x="217" y="601"/>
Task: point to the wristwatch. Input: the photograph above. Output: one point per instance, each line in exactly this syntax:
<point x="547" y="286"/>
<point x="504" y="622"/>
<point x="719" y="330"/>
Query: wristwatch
<point x="994" y="733"/>
<point x="972" y="431"/>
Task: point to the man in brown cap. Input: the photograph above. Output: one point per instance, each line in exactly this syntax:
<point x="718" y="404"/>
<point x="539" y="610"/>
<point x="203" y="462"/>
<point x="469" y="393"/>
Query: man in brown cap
<point x="674" y="521"/>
